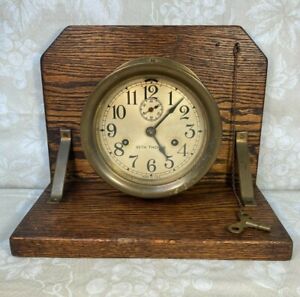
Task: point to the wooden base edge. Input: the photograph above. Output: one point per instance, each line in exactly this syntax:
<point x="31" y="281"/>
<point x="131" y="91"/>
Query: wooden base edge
<point x="126" y="248"/>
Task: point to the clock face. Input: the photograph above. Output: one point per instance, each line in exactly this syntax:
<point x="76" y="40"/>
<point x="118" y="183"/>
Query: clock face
<point x="151" y="130"/>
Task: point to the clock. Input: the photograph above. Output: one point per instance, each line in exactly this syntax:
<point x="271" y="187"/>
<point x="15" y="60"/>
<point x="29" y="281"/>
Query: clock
<point x="151" y="129"/>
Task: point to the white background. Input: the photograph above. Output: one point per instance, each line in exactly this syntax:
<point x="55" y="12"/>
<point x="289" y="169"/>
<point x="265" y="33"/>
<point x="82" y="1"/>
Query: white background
<point x="27" y="27"/>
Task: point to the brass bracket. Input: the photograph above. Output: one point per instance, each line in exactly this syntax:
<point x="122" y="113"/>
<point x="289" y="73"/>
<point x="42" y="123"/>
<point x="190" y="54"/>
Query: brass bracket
<point x="245" y="178"/>
<point x="61" y="166"/>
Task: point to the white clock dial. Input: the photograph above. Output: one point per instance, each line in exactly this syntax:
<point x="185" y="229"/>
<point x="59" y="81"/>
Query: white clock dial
<point x="152" y="131"/>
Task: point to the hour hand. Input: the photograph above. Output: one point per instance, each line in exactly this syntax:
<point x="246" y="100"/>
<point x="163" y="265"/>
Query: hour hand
<point x="151" y="132"/>
<point x="160" y="147"/>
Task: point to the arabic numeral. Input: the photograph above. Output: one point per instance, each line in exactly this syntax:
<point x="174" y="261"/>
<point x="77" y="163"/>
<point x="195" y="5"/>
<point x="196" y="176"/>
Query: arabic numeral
<point x="191" y="132"/>
<point x="184" y="109"/>
<point x="183" y="150"/>
<point x="112" y="130"/>
<point x="131" y="98"/>
<point x="119" y="149"/>
<point x="170" y="98"/>
<point x="169" y="163"/>
<point x="150" y="91"/>
<point x="151" y="167"/>
<point x="119" y="112"/>
<point x="134" y="157"/>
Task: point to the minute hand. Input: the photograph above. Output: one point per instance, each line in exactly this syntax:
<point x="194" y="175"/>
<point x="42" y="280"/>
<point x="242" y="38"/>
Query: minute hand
<point x="170" y="110"/>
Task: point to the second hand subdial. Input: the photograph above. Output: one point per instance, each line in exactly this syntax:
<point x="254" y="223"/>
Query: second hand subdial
<point x="151" y="109"/>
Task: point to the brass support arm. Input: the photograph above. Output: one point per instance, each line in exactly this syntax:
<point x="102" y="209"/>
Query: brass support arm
<point x="245" y="178"/>
<point x="61" y="166"/>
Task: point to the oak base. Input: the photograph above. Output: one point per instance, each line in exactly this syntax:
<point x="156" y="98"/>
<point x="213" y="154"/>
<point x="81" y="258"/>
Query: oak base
<point x="94" y="220"/>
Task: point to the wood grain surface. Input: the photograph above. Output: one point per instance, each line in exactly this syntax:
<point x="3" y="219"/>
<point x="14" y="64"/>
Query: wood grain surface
<point x="95" y="220"/>
<point x="83" y="55"/>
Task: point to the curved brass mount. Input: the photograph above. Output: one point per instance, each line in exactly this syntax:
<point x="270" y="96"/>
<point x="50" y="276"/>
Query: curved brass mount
<point x="245" y="178"/>
<point x="61" y="166"/>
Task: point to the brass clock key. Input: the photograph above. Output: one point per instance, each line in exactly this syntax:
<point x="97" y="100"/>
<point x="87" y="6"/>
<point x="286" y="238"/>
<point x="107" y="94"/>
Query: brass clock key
<point x="247" y="222"/>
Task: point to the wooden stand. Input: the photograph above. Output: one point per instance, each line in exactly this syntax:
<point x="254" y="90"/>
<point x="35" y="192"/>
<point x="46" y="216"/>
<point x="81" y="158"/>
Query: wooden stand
<point x="95" y="220"/>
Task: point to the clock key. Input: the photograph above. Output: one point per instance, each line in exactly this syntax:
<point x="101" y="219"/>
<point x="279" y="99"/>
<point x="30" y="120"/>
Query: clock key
<point x="245" y="221"/>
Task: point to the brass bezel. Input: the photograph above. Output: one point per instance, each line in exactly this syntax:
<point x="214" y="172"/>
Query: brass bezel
<point x="145" y="67"/>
